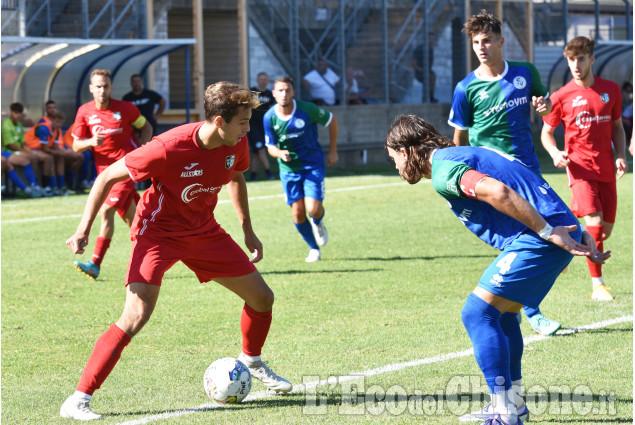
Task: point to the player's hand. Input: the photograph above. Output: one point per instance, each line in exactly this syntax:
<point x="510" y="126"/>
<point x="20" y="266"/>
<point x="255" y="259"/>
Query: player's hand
<point x="560" y="236"/>
<point x="332" y="158"/>
<point x="97" y="140"/>
<point x="560" y="159"/>
<point x="541" y="105"/>
<point x="621" y="166"/>
<point x="285" y="156"/>
<point x="77" y="243"/>
<point x="254" y="246"/>
<point x="596" y="256"/>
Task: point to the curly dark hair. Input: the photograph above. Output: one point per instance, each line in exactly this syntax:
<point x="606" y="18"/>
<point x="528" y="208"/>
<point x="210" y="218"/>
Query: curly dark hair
<point x="482" y="23"/>
<point x="419" y="138"/>
<point x="579" y="45"/>
<point x="225" y="99"/>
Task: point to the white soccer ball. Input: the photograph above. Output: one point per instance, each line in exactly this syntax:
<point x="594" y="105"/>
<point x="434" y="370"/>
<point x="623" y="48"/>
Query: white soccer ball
<point x="227" y="381"/>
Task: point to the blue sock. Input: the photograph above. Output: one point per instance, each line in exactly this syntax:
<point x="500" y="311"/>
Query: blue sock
<point x="61" y="181"/>
<point x="318" y="220"/>
<point x="530" y="311"/>
<point x="51" y="180"/>
<point x="307" y="233"/>
<point x="30" y="175"/>
<point x="13" y="176"/>
<point x="511" y="329"/>
<point x="71" y="178"/>
<point x="491" y="350"/>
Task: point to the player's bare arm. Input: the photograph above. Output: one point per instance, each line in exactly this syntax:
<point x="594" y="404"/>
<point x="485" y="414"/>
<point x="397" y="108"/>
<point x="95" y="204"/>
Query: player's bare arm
<point x="146" y="133"/>
<point x="509" y="202"/>
<point x="461" y="137"/>
<point x="332" y="156"/>
<point x="619" y="142"/>
<point x="560" y="158"/>
<point x="105" y="180"/>
<point x="541" y="105"/>
<point x="237" y="189"/>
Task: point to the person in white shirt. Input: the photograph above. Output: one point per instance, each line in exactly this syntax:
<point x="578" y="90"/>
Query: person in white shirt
<point x="321" y="83"/>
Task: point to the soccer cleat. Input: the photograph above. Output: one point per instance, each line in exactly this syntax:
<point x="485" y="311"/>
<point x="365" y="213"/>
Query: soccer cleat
<point x="89" y="268"/>
<point x="273" y="382"/>
<point x="62" y="191"/>
<point x="496" y="420"/>
<point x="47" y="192"/>
<point x="78" y="407"/>
<point x="544" y="326"/>
<point x="320" y="232"/>
<point x="314" y="255"/>
<point x="487" y="412"/>
<point x="601" y="293"/>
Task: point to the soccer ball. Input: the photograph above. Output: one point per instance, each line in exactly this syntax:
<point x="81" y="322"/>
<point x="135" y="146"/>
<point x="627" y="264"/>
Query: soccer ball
<point x="227" y="381"/>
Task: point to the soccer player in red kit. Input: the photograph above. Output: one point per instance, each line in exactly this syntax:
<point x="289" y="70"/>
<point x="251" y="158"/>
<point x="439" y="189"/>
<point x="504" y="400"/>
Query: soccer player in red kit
<point x="175" y="222"/>
<point x="590" y="109"/>
<point x="106" y="126"/>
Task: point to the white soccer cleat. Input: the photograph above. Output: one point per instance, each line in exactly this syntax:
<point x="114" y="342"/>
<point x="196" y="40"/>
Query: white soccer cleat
<point x="314" y="255"/>
<point x="273" y="382"/>
<point x="320" y="232"/>
<point x="601" y="293"/>
<point x="78" y="407"/>
<point x="487" y="411"/>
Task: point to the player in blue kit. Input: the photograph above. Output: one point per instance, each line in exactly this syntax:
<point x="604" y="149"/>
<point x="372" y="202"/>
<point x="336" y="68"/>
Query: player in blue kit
<point x="491" y="107"/>
<point x="514" y="210"/>
<point x="291" y="136"/>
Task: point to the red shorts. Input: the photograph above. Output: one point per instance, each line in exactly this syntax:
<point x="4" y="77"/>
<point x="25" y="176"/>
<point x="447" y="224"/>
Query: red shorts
<point x="121" y="196"/>
<point x="592" y="196"/>
<point x="209" y="256"/>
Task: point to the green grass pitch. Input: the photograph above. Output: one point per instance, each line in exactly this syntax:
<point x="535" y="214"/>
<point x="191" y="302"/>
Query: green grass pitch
<point x="389" y="290"/>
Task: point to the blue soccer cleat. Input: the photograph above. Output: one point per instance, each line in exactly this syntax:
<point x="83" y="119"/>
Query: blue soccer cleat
<point x="89" y="268"/>
<point x="544" y="326"/>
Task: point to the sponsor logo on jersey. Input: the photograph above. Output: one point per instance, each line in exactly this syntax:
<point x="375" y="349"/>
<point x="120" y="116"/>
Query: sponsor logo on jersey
<point x="465" y="215"/>
<point x="98" y="129"/>
<point x="93" y="120"/>
<point x="193" y="173"/>
<point x="192" y="165"/>
<point x="496" y="280"/>
<point x="194" y="190"/>
<point x="229" y="161"/>
<point x="450" y="186"/>
<point x="483" y="95"/>
<point x="584" y="119"/>
<point x="114" y="199"/>
<point x="117" y="115"/>
<point x="299" y="123"/>
<point x="578" y="101"/>
<point x="520" y="82"/>
<point x="508" y="104"/>
<point x="604" y="97"/>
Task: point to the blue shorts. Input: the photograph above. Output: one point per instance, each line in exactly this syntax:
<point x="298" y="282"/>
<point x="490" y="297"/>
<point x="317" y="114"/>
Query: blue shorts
<point x="526" y="269"/>
<point x="6" y="154"/>
<point x="300" y="184"/>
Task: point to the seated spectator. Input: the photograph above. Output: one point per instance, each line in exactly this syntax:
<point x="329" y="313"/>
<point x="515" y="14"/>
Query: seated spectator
<point x="24" y="191"/>
<point x="321" y="83"/>
<point x="351" y="88"/>
<point x="15" y="150"/>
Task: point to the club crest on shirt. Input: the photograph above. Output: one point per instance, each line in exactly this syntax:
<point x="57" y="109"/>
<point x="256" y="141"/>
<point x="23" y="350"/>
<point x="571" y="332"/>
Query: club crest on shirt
<point x="116" y="115"/>
<point x="229" y="161"/>
<point x="520" y="82"/>
<point x="299" y="123"/>
<point x="604" y="97"/>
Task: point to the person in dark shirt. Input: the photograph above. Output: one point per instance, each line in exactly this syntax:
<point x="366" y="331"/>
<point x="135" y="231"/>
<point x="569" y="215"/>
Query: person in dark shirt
<point x="256" y="135"/>
<point x="146" y="101"/>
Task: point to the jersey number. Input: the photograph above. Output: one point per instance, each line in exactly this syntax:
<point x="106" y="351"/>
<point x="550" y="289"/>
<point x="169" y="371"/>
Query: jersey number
<point x="505" y="263"/>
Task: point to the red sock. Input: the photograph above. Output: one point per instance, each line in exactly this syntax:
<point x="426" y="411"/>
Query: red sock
<point x="101" y="246"/>
<point x="105" y="355"/>
<point x="597" y="232"/>
<point x="255" y="328"/>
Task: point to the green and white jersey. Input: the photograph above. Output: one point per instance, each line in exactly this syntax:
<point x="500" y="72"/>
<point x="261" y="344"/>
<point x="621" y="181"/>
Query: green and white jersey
<point x="496" y="111"/>
<point x="12" y="133"/>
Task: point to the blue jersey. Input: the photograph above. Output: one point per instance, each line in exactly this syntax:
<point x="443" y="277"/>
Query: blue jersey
<point x="497" y="110"/>
<point x="486" y="222"/>
<point x="298" y="134"/>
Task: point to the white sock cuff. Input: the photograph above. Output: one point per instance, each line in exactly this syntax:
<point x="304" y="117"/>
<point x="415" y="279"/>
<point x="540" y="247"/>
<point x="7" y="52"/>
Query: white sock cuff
<point x="597" y="281"/>
<point x="83" y="395"/>
<point x="249" y="359"/>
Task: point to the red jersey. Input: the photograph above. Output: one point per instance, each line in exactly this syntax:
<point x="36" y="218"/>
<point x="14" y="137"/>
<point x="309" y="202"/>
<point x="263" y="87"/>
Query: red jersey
<point x="115" y="123"/>
<point x="186" y="180"/>
<point x="587" y="114"/>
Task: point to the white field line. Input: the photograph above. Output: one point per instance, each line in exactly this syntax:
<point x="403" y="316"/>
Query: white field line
<point x="222" y="201"/>
<point x="384" y="369"/>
